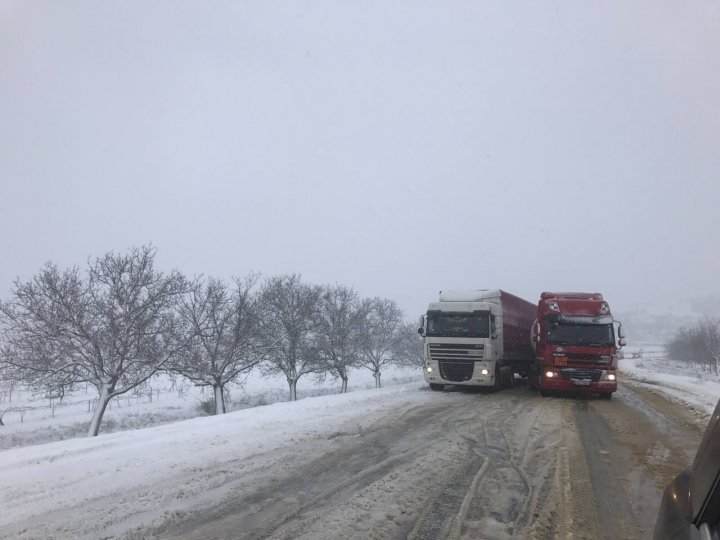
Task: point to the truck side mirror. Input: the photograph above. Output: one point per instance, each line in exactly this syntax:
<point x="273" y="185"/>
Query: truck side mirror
<point x="536" y="339"/>
<point x="421" y="331"/>
<point x="621" y="332"/>
<point x="621" y="342"/>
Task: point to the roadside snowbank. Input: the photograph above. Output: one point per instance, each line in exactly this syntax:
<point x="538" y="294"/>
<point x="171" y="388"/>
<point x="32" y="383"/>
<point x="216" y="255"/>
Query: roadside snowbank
<point x="694" y="389"/>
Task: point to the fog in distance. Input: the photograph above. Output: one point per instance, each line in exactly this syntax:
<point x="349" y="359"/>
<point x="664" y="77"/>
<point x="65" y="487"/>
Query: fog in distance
<point x="401" y="148"/>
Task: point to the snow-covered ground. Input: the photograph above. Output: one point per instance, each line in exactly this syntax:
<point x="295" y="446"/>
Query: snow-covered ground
<point x="30" y="419"/>
<point x="133" y="477"/>
<point x="148" y="472"/>
<point x="696" y="389"/>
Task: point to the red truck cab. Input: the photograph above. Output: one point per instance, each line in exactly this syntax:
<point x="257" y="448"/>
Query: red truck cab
<point x="574" y="341"/>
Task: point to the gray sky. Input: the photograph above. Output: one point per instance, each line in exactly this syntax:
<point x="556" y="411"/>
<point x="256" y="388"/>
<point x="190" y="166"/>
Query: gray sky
<point x="400" y="147"/>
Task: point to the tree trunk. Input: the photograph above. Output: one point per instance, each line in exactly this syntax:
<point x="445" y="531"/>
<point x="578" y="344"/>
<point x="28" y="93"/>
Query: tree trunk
<point x="376" y="374"/>
<point x="219" y="398"/>
<point x="103" y="400"/>
<point x="342" y="373"/>
<point x="292" y="383"/>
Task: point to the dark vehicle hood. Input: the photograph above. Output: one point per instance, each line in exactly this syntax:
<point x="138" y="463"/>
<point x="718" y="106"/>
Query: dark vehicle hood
<point x="685" y="499"/>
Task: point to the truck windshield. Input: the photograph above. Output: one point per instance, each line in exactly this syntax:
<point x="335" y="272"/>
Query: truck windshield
<point x="456" y="324"/>
<point x="594" y="335"/>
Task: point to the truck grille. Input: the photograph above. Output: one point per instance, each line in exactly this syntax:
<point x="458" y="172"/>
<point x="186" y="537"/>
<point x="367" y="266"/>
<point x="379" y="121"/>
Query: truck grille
<point x="457" y="370"/>
<point x="587" y="358"/>
<point x="452" y="351"/>
<point x="581" y="373"/>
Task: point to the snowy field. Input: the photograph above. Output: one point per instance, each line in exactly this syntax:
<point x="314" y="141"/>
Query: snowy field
<point x="31" y="419"/>
<point x="696" y="389"/>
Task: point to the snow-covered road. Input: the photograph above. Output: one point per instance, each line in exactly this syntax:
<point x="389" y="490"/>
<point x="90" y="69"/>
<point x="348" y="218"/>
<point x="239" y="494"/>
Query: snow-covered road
<point x="393" y="463"/>
<point x="457" y="462"/>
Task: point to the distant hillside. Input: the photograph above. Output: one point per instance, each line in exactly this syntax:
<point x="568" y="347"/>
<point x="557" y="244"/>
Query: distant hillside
<point x="656" y="324"/>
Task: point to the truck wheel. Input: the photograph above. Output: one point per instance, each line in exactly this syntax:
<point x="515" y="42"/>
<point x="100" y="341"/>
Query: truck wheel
<point x="544" y="393"/>
<point x="606" y="395"/>
<point x="436" y="387"/>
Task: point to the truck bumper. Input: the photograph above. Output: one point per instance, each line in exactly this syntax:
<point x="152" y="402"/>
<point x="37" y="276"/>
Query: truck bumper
<point x="559" y="384"/>
<point x="477" y="378"/>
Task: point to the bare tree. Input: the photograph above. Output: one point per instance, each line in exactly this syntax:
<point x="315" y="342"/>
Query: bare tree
<point x="410" y="348"/>
<point x="339" y="332"/>
<point x="699" y="345"/>
<point x="114" y="328"/>
<point x="289" y="322"/>
<point x="710" y="331"/>
<point x="221" y="326"/>
<point x="6" y="386"/>
<point x="8" y="381"/>
<point x="382" y="339"/>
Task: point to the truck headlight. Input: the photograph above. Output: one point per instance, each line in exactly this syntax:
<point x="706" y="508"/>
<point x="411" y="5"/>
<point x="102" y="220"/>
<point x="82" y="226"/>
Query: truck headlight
<point x="485" y="372"/>
<point x="611" y="377"/>
<point x="429" y="369"/>
<point x="550" y="374"/>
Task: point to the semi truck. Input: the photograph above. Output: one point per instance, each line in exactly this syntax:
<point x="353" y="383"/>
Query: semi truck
<point x="574" y="340"/>
<point x="476" y="338"/>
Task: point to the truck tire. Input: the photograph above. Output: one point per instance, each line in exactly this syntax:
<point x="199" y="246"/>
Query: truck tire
<point x="436" y="387"/>
<point x="606" y="395"/>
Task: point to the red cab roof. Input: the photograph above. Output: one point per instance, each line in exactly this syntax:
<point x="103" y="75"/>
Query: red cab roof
<point x="571" y="295"/>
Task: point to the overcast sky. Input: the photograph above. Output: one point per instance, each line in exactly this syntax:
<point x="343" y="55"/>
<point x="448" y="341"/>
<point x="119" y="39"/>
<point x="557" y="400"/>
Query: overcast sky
<point x="399" y="147"/>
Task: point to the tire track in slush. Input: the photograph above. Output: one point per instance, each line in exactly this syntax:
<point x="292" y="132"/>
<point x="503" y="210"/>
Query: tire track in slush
<point x="467" y="465"/>
<point x="287" y="497"/>
<point x="504" y="515"/>
<point x="493" y="496"/>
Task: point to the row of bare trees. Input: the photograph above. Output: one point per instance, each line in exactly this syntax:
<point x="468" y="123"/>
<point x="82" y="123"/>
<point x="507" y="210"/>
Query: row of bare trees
<point x="122" y="321"/>
<point x="698" y="345"/>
